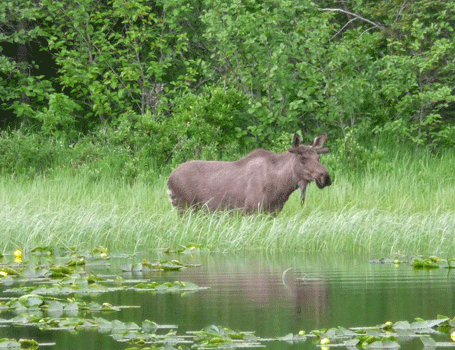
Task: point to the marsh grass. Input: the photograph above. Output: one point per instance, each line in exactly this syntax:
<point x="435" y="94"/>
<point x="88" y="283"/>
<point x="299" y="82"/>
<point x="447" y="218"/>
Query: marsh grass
<point x="407" y="206"/>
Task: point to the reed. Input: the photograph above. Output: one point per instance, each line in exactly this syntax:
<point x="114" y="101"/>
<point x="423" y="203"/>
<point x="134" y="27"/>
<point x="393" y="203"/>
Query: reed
<point x="407" y="206"/>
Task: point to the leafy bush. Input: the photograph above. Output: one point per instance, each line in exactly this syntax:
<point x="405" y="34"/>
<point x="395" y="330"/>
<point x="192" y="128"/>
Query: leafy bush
<point x="58" y="120"/>
<point x="204" y="126"/>
<point x="27" y="153"/>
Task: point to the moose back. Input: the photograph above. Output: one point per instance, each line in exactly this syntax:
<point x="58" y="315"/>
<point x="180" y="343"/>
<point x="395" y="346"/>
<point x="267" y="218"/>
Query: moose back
<point x="260" y="181"/>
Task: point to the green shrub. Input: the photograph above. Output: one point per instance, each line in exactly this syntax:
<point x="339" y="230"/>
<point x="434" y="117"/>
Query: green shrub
<point x="205" y="126"/>
<point x="28" y="154"/>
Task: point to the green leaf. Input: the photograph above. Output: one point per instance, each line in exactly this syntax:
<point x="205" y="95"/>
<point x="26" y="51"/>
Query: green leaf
<point x="428" y="342"/>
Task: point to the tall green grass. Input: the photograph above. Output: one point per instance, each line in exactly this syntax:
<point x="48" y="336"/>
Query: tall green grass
<point x="406" y="205"/>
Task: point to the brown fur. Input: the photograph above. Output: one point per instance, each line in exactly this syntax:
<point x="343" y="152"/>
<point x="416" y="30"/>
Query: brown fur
<point x="261" y="180"/>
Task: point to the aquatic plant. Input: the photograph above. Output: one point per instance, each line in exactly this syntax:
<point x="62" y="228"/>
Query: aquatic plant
<point x="24" y="344"/>
<point x="38" y="306"/>
<point x="147" y="266"/>
<point x="418" y="262"/>
<point x="54" y="306"/>
<point x="74" y="277"/>
<point x="387" y="335"/>
<point x="384" y="336"/>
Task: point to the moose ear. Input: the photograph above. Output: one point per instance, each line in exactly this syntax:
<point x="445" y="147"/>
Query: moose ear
<point x="318" y="143"/>
<point x="322" y="150"/>
<point x="296" y="142"/>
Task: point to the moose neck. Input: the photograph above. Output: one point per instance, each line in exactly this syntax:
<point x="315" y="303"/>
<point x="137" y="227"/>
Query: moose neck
<point x="286" y="172"/>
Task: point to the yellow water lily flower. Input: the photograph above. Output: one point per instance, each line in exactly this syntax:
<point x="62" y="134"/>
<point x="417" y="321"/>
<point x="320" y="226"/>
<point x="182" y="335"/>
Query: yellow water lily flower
<point x="452" y="335"/>
<point x="3" y="274"/>
<point x="18" y="256"/>
<point x="102" y="250"/>
<point x="325" y="341"/>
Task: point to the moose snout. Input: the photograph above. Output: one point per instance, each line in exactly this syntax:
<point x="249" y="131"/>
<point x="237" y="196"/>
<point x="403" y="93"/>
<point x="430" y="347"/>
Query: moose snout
<point x="323" y="180"/>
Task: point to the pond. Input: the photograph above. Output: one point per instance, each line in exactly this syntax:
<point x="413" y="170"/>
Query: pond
<point x="271" y="295"/>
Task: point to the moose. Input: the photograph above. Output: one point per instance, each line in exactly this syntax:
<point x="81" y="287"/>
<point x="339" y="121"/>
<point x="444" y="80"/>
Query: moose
<point x="262" y="181"/>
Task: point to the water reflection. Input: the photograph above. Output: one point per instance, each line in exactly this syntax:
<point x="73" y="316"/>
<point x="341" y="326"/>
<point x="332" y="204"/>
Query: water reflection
<point x="272" y="295"/>
<point x="248" y="293"/>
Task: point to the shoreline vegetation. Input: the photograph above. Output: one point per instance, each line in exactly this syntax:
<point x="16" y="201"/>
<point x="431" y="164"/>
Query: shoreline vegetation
<point x="100" y="102"/>
<point x="403" y="203"/>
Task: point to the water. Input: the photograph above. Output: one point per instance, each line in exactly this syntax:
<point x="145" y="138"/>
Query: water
<point x="271" y="295"/>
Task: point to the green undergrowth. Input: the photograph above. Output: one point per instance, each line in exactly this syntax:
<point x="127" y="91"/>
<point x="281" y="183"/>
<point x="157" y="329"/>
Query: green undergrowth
<point x="406" y="203"/>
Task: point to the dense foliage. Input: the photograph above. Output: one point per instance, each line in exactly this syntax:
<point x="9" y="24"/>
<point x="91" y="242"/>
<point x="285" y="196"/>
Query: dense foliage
<point x="171" y="79"/>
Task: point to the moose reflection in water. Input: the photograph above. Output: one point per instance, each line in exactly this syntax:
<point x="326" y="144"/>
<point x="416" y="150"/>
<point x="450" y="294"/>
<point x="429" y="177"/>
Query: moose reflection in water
<point x="260" y="181"/>
<point x="257" y="292"/>
<point x="305" y="294"/>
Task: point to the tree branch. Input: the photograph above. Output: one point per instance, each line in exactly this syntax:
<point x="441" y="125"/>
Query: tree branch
<point x="351" y="20"/>
<point x="380" y="26"/>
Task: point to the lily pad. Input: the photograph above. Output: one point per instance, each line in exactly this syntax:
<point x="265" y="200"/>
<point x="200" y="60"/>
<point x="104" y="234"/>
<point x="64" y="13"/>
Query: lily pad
<point x="42" y="251"/>
<point x="427" y="324"/>
<point x="388" y="344"/>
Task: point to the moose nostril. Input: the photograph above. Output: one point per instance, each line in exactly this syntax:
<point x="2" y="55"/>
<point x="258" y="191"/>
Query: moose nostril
<point x="328" y="180"/>
<point x="324" y="180"/>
